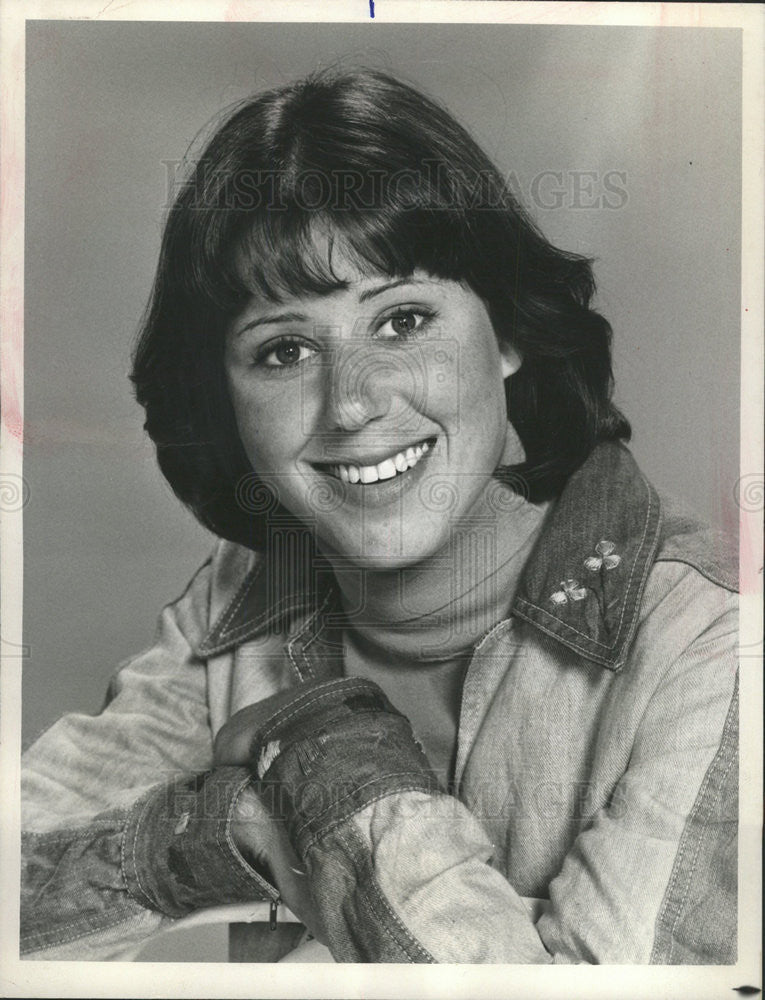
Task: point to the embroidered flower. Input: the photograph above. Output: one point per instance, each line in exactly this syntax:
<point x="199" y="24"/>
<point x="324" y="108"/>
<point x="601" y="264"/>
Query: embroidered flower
<point x="606" y="557"/>
<point x="570" y="591"/>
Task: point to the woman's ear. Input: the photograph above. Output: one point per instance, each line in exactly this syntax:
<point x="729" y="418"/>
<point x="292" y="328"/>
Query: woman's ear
<point x="511" y="359"/>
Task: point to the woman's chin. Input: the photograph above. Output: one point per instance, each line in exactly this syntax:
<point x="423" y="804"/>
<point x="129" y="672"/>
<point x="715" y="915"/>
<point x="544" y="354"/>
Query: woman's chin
<point x="387" y="553"/>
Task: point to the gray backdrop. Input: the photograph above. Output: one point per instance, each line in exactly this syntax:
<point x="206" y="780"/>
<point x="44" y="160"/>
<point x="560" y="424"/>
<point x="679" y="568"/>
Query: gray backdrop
<point x="624" y="142"/>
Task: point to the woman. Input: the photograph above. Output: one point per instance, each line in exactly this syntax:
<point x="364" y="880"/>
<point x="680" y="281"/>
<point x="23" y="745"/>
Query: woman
<point x="455" y="685"/>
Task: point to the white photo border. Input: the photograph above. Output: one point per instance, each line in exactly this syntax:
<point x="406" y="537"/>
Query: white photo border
<point x="97" y="979"/>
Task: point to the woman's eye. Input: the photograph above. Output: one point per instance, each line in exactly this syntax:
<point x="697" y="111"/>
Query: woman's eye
<point x="285" y="354"/>
<point x="404" y="324"/>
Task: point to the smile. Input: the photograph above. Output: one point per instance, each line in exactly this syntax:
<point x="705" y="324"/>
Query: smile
<point x="388" y="468"/>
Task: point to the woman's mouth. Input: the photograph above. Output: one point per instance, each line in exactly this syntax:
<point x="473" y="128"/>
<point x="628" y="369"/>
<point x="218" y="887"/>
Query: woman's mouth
<point x="388" y="468"/>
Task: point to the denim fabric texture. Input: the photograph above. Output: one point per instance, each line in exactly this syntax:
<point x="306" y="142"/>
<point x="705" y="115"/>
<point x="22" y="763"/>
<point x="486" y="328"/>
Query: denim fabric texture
<point x="341" y="744"/>
<point x="596" y="762"/>
<point x="181" y="833"/>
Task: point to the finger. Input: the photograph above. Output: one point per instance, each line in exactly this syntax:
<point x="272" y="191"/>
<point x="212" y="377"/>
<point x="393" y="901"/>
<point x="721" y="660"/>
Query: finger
<point x="232" y="744"/>
<point x="230" y="749"/>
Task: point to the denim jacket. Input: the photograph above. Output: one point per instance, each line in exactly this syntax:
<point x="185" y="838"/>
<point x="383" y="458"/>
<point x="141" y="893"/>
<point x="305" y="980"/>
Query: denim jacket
<point x="596" y="770"/>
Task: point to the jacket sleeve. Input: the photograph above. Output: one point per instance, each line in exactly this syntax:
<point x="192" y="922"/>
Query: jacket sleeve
<point x="124" y="828"/>
<point x="403" y="872"/>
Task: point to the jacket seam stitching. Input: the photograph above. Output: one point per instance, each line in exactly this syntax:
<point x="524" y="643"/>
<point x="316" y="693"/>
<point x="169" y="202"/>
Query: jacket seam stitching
<point x="70" y="833"/>
<point x="694" y="862"/>
<point x="229" y="612"/>
<point x="299" y="636"/>
<point x="612" y="646"/>
<point x="245" y="630"/>
<point x="698" y="806"/>
<point x="247" y="875"/>
<point x="308" y="699"/>
<point x="42" y="936"/>
<point x="265" y="616"/>
<point x="123" y="846"/>
<point x="410" y="787"/>
<point x="567" y="626"/>
<point x="320" y="834"/>
<point x="307" y="644"/>
<point x="724" y="741"/>
<point x="504" y="623"/>
<point x="707" y="574"/>
<point x="346" y="837"/>
<point x="600" y="658"/>
<point x="293" y="661"/>
<point x="238" y="599"/>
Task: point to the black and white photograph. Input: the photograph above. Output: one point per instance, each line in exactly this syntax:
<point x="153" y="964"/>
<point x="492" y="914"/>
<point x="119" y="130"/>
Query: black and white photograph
<point x="382" y="497"/>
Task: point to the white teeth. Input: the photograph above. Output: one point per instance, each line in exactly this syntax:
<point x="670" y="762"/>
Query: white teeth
<point x="386" y="469"/>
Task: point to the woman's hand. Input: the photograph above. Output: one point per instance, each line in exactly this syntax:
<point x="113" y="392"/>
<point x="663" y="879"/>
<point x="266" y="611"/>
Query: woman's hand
<point x="263" y="841"/>
<point x="318" y="754"/>
<point x="261" y="838"/>
<point x="232" y="744"/>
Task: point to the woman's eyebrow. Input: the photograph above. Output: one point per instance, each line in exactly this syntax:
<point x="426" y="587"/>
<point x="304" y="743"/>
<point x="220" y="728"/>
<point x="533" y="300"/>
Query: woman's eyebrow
<point x="370" y="293"/>
<point x="294" y="317"/>
<point x="285" y="317"/>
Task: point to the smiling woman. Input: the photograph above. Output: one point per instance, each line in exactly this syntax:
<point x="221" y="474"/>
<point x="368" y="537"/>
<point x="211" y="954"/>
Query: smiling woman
<point x="356" y="396"/>
<point x="455" y="678"/>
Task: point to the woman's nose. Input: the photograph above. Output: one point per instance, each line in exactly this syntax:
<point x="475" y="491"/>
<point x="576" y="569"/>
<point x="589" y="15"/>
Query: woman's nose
<point x="359" y="388"/>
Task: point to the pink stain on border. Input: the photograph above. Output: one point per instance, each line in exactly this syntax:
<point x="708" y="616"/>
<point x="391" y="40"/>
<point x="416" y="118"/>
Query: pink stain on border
<point x="236" y="11"/>
<point x="11" y="235"/>
<point x="750" y="569"/>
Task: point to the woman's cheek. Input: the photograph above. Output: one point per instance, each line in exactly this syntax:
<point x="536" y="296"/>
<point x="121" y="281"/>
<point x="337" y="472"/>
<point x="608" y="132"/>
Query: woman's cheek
<point x="270" y="432"/>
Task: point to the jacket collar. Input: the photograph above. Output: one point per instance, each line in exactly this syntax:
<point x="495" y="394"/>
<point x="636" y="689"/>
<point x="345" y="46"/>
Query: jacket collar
<point x="276" y="593"/>
<point x="582" y="584"/>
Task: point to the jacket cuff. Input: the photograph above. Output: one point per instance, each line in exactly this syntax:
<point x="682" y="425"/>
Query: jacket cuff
<point x="178" y="854"/>
<point x="330" y="751"/>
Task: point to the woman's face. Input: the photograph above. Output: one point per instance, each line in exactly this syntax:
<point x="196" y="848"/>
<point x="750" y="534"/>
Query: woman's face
<point x="376" y="413"/>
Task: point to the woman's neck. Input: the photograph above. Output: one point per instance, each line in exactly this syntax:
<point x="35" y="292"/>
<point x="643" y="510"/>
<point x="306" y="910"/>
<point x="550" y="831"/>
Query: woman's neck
<point x="438" y="609"/>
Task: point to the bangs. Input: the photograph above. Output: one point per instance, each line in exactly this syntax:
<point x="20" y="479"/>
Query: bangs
<point x="319" y="165"/>
<point x="286" y="250"/>
<point x="291" y="254"/>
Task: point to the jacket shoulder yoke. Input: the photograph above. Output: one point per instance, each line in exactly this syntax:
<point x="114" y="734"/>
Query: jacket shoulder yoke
<point x="686" y="539"/>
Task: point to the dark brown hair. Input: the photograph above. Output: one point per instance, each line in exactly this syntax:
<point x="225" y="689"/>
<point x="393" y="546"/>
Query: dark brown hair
<point x="405" y="186"/>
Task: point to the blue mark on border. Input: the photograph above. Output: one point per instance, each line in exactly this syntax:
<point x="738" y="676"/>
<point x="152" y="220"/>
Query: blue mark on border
<point x="371" y="8"/>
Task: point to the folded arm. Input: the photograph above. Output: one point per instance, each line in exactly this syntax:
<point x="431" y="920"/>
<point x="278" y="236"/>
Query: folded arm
<point x="401" y="872"/>
<point x="124" y="829"/>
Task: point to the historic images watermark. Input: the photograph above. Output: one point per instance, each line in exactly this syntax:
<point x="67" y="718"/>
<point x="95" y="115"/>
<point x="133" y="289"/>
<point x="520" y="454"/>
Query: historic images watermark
<point x="578" y="189"/>
<point x="434" y="186"/>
